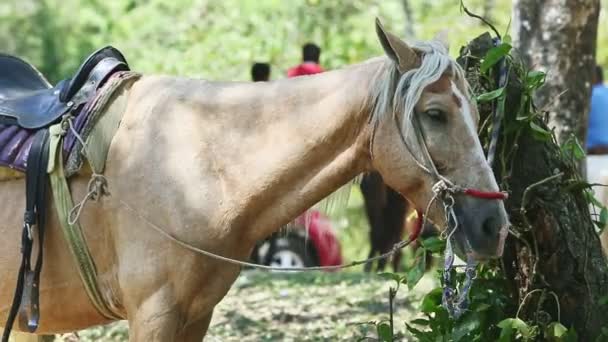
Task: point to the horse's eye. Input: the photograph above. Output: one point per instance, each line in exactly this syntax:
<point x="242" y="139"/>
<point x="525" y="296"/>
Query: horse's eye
<point x="436" y="114"/>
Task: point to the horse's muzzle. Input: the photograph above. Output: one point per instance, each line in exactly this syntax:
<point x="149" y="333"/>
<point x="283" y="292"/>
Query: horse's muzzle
<point x="482" y="227"/>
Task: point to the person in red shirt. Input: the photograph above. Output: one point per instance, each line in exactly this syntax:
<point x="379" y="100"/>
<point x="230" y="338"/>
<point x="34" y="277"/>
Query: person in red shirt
<point x="310" y="62"/>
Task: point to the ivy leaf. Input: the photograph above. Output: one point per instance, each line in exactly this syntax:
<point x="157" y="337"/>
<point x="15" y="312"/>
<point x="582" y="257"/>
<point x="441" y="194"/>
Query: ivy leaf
<point x="511" y="325"/>
<point x="577" y="185"/>
<point x="467" y="325"/>
<point x="491" y="95"/>
<point x="433" y="244"/>
<point x="539" y="132"/>
<point x="573" y="148"/>
<point x="535" y="79"/>
<point x="431" y="301"/>
<point x="570" y="336"/>
<point x="555" y="329"/>
<point x="390" y="276"/>
<point x="590" y="195"/>
<point x="417" y="333"/>
<point x="420" y="321"/>
<point x="603" y="218"/>
<point x="384" y="332"/>
<point x="417" y="271"/>
<point x="494" y="55"/>
<point x="483" y="307"/>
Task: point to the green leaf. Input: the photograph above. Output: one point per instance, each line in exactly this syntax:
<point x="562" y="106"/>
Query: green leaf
<point x="417" y="271"/>
<point x="514" y="324"/>
<point x="390" y="276"/>
<point x="506" y="333"/>
<point x="421" y="336"/>
<point x="570" y="336"/>
<point x="431" y="301"/>
<point x="420" y="321"/>
<point x="465" y="326"/>
<point x="573" y="148"/>
<point x="604" y="300"/>
<point x="494" y="55"/>
<point x="523" y="112"/>
<point x="535" y="79"/>
<point x="555" y="329"/>
<point x="433" y="244"/>
<point x="385" y="333"/>
<point x="539" y="132"/>
<point x="483" y="307"/>
<point x="577" y="185"/>
<point x="489" y="96"/>
<point x="590" y="195"/>
<point x="603" y="218"/>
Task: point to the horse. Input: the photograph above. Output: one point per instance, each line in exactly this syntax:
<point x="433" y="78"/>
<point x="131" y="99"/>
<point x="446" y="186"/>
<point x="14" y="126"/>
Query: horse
<point x="387" y="212"/>
<point x="221" y="165"/>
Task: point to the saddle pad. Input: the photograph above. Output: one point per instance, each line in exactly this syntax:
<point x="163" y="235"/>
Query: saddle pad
<point x="15" y="142"/>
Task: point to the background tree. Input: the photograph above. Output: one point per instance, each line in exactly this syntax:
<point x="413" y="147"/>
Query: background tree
<point x="559" y="37"/>
<point x="554" y="260"/>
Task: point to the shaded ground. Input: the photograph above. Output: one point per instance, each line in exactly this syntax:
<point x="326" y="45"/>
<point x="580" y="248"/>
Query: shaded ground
<point x="296" y="307"/>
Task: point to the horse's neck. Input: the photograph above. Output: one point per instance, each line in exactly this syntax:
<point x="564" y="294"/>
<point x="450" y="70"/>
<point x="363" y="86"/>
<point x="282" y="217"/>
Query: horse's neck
<point x="310" y="136"/>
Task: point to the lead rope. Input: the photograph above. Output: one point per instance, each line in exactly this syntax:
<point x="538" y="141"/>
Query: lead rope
<point x="396" y="247"/>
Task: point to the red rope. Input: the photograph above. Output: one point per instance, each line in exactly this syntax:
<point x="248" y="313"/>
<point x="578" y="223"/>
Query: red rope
<point x="490" y="195"/>
<point x="417" y="227"/>
<point x="486" y="195"/>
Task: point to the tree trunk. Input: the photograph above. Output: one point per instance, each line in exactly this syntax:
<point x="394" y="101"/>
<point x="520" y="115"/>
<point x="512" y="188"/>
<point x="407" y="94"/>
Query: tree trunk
<point x="409" y="19"/>
<point x="488" y="9"/>
<point x="553" y="257"/>
<point x="559" y="37"/>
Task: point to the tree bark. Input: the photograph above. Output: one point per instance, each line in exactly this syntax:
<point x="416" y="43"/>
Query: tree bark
<point x="559" y="37"/>
<point x="553" y="257"/>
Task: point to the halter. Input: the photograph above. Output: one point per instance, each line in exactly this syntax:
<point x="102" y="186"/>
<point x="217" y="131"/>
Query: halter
<point x="454" y="300"/>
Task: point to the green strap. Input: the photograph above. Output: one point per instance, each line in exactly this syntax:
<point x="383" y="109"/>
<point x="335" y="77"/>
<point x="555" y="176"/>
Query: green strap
<point x="73" y="233"/>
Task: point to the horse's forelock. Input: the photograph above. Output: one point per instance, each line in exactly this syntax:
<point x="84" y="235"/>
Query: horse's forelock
<point x="396" y="94"/>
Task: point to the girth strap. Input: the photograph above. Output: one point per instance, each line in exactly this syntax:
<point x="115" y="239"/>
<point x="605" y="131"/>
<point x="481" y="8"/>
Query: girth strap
<point x="28" y="280"/>
<point x="73" y="232"/>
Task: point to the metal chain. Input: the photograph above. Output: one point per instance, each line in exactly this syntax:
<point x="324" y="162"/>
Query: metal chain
<point x="454" y="300"/>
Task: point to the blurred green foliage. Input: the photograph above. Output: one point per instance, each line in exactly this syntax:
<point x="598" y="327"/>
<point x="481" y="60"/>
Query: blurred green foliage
<point x="217" y="39"/>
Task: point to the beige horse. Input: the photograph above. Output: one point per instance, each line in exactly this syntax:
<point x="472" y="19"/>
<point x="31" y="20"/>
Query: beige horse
<point x="222" y="165"/>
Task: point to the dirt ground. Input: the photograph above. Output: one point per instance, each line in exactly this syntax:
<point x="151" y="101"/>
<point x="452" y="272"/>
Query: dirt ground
<point x="265" y="306"/>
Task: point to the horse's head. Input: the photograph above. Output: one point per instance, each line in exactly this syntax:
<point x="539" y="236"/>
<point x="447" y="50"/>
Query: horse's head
<point x="425" y="137"/>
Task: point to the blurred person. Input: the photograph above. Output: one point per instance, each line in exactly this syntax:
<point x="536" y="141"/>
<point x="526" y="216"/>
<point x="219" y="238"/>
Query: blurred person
<point x="597" y="143"/>
<point x="260" y="72"/>
<point x="310" y="62"/>
<point x="597" y="131"/>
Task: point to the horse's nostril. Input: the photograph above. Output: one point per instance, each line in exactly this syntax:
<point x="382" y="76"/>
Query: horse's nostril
<point x="489" y="226"/>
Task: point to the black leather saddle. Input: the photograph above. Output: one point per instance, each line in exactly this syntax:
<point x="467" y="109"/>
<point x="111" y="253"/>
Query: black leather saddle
<point x="28" y="100"/>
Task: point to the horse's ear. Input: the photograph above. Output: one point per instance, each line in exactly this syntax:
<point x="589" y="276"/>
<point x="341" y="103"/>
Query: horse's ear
<point x="396" y="49"/>
<point x="442" y="37"/>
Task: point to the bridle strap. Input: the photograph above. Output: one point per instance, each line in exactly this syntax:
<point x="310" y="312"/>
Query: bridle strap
<point x="446" y="184"/>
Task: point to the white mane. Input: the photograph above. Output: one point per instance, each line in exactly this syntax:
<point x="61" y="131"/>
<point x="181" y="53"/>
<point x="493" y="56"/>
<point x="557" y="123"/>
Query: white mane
<point x="397" y="94"/>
